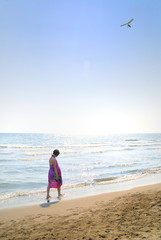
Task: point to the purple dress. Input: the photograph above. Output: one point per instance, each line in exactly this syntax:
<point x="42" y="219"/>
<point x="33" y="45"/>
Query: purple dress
<point x="53" y="183"/>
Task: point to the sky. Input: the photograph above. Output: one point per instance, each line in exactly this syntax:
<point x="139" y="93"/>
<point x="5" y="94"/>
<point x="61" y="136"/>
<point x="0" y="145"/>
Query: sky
<point x="67" y="66"/>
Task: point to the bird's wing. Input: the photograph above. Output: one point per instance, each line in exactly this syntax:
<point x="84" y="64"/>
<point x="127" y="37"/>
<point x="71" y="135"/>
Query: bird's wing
<point x="123" y="24"/>
<point x="130" y="20"/>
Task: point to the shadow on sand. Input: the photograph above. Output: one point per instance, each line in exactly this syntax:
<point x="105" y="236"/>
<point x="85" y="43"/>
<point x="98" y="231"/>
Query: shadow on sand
<point x="48" y="204"/>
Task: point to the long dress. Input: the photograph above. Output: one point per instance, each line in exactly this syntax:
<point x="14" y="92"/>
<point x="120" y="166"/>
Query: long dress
<point x="53" y="183"/>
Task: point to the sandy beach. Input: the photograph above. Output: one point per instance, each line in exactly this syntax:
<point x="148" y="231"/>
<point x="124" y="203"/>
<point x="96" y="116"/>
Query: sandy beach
<point x="131" y="214"/>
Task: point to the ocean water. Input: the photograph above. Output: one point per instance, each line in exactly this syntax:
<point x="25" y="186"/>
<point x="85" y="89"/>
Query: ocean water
<point x="88" y="163"/>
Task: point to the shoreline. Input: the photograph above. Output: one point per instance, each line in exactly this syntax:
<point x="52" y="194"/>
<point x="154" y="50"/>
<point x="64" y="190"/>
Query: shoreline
<point x="129" y="214"/>
<point x="79" y="192"/>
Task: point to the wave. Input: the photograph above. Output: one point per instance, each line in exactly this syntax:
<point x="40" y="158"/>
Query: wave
<point x="155" y="140"/>
<point x="6" y="153"/>
<point x="36" y="154"/>
<point x="96" y="181"/>
<point x="131" y="140"/>
<point x="64" y="152"/>
<point x="129" y="177"/>
<point x="122" y="164"/>
<point x="31" y="159"/>
<point x="105" y="179"/>
<point x="89" y="145"/>
<point x="80" y="168"/>
<point x="111" y="149"/>
<point x="27" y="147"/>
<point x="153" y="148"/>
<point x="20" y="194"/>
<point x="8" y="196"/>
<point x="96" y="151"/>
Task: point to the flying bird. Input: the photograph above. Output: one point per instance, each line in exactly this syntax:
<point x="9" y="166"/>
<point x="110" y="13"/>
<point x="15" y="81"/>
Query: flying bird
<point x="128" y="23"/>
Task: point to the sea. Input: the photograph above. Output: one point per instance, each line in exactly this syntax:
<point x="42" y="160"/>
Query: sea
<point x="90" y="165"/>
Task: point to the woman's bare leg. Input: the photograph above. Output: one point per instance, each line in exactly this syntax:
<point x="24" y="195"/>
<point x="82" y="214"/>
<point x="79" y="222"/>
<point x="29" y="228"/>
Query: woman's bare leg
<point x="48" y="192"/>
<point x="59" y="191"/>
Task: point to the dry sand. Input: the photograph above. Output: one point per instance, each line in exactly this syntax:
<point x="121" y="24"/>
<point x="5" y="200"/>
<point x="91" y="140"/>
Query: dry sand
<point x="132" y="214"/>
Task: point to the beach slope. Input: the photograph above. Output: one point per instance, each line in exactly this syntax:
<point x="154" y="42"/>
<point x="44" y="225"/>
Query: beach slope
<point x="131" y="214"/>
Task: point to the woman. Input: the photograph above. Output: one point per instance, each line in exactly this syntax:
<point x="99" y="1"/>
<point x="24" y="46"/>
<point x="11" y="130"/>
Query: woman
<point x="54" y="175"/>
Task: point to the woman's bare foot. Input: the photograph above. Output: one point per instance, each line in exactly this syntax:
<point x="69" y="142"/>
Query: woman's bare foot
<point x="48" y="198"/>
<point x="60" y="196"/>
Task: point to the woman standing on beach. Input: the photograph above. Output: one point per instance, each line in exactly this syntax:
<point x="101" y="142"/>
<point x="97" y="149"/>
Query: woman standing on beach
<point x="54" y="175"/>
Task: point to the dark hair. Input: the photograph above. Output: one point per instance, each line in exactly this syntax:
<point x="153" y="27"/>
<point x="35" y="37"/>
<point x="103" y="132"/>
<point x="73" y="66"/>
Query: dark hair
<point x="56" y="152"/>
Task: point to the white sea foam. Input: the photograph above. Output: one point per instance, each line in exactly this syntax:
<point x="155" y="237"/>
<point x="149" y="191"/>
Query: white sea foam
<point x="20" y="194"/>
<point x="129" y="177"/>
<point x="90" y="145"/>
<point x="131" y="140"/>
<point x="30" y="159"/>
<point x="123" y="164"/>
<point x="37" y="154"/>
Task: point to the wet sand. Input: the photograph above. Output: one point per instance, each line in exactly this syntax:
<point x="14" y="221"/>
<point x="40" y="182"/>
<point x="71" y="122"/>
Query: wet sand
<point x="131" y="214"/>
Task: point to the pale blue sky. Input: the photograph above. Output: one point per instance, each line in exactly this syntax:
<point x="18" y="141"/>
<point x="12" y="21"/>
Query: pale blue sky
<point x="66" y="66"/>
